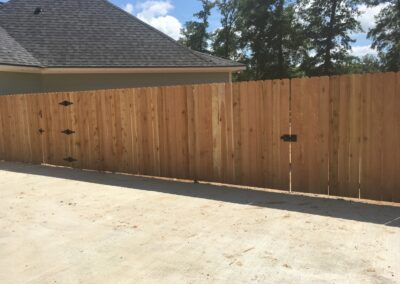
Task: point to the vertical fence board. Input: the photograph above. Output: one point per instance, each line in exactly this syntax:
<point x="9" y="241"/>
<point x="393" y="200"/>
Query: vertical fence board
<point x="282" y="180"/>
<point x="258" y="127"/>
<point x="216" y="131"/>
<point x="95" y="156"/>
<point x="3" y="145"/>
<point x="323" y="132"/>
<point x="170" y="138"/>
<point x="12" y="123"/>
<point x="343" y="149"/>
<point x="396" y="137"/>
<point x="125" y="128"/>
<point x="77" y="123"/>
<point x="203" y="126"/>
<point x="345" y="119"/>
<point x="6" y="128"/>
<point x="115" y="134"/>
<point x="21" y="128"/>
<point x="33" y="121"/>
<point x="297" y="127"/>
<point x="266" y="110"/>
<point x="48" y="104"/>
<point x="191" y="142"/>
<point x="389" y="142"/>
<point x="253" y="173"/>
<point x="181" y="135"/>
<point x="310" y="113"/>
<point x="379" y="167"/>
<point x="355" y="133"/>
<point x="83" y="125"/>
<point x="236" y="133"/>
<point x="334" y="95"/>
<point x="118" y="144"/>
<point x="162" y="130"/>
<point x="43" y="123"/>
<point x="372" y="146"/>
<point x="244" y="133"/>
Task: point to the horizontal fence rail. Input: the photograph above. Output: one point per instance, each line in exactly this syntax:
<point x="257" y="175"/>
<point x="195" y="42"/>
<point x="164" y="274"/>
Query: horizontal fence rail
<point x="336" y="135"/>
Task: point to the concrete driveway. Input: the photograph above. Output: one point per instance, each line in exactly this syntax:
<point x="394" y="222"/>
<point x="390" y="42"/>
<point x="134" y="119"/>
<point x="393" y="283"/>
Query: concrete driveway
<point x="61" y="225"/>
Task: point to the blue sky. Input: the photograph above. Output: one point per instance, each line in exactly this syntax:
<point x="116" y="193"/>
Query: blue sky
<point x="169" y="16"/>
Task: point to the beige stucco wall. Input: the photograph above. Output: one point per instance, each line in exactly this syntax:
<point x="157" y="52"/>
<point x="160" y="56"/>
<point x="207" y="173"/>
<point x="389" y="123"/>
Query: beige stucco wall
<point x="17" y="83"/>
<point x="14" y="83"/>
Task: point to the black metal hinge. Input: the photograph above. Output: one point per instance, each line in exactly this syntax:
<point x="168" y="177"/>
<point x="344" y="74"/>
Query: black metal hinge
<point x="66" y="103"/>
<point x="289" y="138"/>
<point x="68" y="131"/>
<point x="70" y="159"/>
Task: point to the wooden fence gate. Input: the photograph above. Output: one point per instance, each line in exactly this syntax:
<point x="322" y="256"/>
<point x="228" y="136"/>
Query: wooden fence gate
<point x="348" y="131"/>
<point x="335" y="135"/>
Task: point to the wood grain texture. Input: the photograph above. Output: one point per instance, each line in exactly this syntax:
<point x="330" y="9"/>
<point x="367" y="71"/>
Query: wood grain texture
<point x="310" y="121"/>
<point x="345" y="135"/>
<point x="380" y="128"/>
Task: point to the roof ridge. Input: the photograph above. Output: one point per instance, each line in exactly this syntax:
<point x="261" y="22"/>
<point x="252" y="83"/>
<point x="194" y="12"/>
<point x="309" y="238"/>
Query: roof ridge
<point x="158" y="31"/>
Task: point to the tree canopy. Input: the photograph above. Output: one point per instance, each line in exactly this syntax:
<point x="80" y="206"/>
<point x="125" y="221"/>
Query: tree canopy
<point x="386" y="35"/>
<point x="195" y="35"/>
<point x="291" y="38"/>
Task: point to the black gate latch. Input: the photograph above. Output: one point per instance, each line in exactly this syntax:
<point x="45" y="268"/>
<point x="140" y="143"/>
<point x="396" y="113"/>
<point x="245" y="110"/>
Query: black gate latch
<point x="289" y="138"/>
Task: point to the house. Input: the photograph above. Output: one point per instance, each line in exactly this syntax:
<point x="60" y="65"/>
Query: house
<point x="70" y="45"/>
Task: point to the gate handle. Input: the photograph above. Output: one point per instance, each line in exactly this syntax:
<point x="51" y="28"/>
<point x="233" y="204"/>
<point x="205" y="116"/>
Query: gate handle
<point x="289" y="138"/>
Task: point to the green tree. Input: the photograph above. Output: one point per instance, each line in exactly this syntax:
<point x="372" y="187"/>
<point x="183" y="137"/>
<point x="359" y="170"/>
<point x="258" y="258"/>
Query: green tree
<point x="366" y="64"/>
<point x="386" y="35"/>
<point x="195" y="35"/>
<point x="271" y="38"/>
<point x="328" y="26"/>
<point x="226" y="39"/>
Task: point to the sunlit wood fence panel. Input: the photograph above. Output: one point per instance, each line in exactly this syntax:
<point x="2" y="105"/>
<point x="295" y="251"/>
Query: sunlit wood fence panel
<point x="333" y="135"/>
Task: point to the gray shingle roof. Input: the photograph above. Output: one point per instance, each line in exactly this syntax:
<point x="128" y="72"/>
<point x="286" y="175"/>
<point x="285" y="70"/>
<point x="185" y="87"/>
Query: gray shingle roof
<point x="88" y="33"/>
<point x="12" y="53"/>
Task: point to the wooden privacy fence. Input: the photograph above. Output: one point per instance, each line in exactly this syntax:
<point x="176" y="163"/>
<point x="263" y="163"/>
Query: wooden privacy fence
<point x="335" y="135"/>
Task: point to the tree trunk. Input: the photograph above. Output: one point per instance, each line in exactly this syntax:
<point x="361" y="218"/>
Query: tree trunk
<point x="227" y="33"/>
<point x="281" y="59"/>
<point x="327" y="67"/>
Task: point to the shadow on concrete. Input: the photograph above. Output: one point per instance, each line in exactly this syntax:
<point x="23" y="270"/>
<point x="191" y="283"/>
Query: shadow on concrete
<point x="336" y="208"/>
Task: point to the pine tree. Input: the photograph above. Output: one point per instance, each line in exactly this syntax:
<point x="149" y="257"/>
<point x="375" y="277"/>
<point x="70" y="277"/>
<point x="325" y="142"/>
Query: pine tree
<point x="328" y="26"/>
<point x="195" y="35"/>
<point x="226" y="39"/>
<point x="271" y="37"/>
<point x="366" y="64"/>
<point x="386" y="35"/>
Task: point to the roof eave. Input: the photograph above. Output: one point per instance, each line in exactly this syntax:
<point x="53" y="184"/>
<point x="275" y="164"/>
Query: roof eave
<point x="106" y="70"/>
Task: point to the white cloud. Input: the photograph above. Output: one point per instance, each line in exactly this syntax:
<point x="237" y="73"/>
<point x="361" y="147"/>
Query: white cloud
<point x="155" y="13"/>
<point x="362" y="50"/>
<point x="129" y="8"/>
<point x="154" y="8"/>
<point x="367" y="17"/>
<point x="167" y="24"/>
